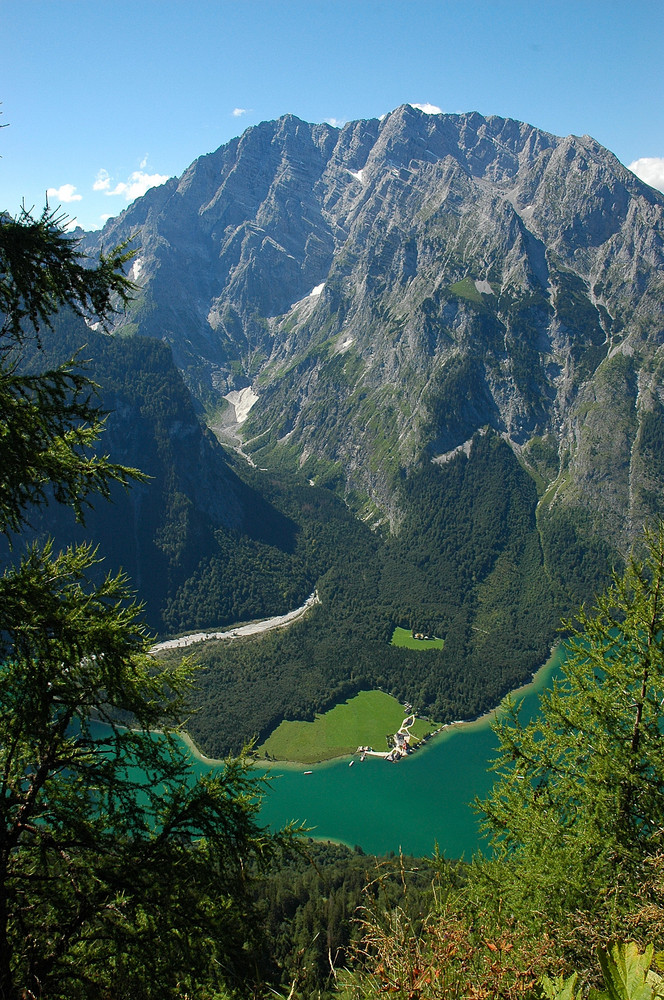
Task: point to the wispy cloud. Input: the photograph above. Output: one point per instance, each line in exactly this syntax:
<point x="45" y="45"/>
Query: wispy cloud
<point x="102" y="181"/>
<point x="336" y="122"/>
<point x="651" y="170"/>
<point x="138" y="183"/>
<point x="428" y="109"/>
<point x="238" y="112"/>
<point x="65" y="193"/>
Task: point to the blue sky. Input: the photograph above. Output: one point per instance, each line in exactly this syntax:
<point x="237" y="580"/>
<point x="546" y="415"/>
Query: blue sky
<point x="102" y="99"/>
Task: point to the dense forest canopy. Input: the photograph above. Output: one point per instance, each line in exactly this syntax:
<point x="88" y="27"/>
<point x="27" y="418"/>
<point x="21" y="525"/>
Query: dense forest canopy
<point x="96" y="864"/>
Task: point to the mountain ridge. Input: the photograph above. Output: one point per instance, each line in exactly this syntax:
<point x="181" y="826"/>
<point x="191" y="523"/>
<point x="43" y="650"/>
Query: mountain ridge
<point x="391" y="287"/>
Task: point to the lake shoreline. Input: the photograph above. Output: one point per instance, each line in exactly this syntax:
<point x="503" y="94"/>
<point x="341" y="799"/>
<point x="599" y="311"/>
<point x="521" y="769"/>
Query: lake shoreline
<point x="447" y="730"/>
<point x="355" y="805"/>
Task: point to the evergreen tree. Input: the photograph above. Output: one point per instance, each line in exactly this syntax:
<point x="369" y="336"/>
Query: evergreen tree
<point x="120" y="874"/>
<point x="578" y="807"/>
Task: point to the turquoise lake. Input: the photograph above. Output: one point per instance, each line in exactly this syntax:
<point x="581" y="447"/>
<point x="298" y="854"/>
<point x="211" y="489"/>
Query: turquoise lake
<point x="411" y="805"/>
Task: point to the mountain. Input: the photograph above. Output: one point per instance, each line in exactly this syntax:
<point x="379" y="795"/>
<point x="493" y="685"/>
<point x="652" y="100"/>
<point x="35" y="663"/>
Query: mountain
<point x="391" y="288"/>
<point x="199" y="544"/>
<point x="436" y="341"/>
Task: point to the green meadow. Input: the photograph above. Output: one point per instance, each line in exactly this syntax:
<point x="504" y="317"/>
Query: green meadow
<point x="402" y="637"/>
<point x="364" y="720"/>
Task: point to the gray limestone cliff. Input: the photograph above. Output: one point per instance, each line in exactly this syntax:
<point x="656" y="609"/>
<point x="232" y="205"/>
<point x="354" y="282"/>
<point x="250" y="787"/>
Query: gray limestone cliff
<point x="390" y="288"/>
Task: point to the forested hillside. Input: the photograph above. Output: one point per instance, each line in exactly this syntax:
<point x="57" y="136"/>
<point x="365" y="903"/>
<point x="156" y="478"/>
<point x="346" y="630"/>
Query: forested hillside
<point x="96" y="863"/>
<point x="209" y="541"/>
<point x="194" y="527"/>
<point x="450" y="571"/>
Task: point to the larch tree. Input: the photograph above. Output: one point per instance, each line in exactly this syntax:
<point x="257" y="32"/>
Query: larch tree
<point x="577" y="809"/>
<point x="121" y="874"/>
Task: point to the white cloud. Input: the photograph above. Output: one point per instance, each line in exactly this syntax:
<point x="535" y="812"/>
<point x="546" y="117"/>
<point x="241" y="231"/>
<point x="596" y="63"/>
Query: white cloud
<point x="428" y="109"/>
<point x="139" y="182"/>
<point x="65" y="193"/>
<point x="651" y="170"/>
<point x="144" y="162"/>
<point x="336" y="122"/>
<point x="238" y="112"/>
<point x="102" y="181"/>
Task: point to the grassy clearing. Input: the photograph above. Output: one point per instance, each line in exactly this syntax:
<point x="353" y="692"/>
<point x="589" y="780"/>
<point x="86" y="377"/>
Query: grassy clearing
<point x="402" y="637"/>
<point x="364" y="720"/>
<point x="465" y="289"/>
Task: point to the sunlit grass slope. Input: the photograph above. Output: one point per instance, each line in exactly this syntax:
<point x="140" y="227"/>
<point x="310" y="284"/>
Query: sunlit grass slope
<point x="364" y="720"/>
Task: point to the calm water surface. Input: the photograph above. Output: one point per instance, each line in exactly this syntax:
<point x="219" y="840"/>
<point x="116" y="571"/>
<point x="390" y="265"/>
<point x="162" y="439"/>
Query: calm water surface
<point x="411" y="805"/>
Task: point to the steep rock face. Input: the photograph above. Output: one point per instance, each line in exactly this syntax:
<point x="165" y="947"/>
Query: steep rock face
<point x="392" y="287"/>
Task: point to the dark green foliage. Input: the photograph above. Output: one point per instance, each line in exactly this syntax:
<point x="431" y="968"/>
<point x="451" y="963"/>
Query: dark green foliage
<point x="97" y="865"/>
<point x="52" y="407"/>
<point x="650" y="449"/>
<point x="311" y="907"/>
<point x="466" y="564"/>
<point x="456" y="402"/>
<point x="204" y="548"/>
<point x="469" y="555"/>
<point x="575" y="820"/>
<point x="42" y="271"/>
<point x="577" y="811"/>
<point x="577" y="559"/>
<point x="541" y="456"/>
<point x="651" y="439"/>
<point x="49" y="423"/>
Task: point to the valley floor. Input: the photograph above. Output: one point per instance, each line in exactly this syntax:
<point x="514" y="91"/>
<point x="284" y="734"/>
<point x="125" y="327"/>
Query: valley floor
<point x="253" y="628"/>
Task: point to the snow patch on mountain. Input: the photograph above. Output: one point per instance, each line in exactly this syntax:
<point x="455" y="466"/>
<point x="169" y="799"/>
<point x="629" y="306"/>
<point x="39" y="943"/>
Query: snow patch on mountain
<point x="242" y="401"/>
<point x="312" y="295"/>
<point x="136" y="268"/>
<point x="344" y="345"/>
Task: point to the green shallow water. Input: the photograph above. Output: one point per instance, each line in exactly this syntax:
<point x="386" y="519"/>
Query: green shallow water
<point x="412" y="805"/>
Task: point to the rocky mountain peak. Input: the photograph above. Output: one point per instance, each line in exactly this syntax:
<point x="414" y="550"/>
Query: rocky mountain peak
<point x="391" y="287"/>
